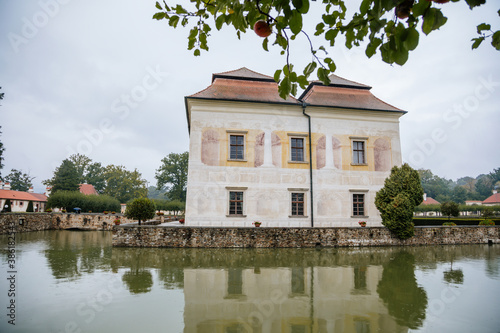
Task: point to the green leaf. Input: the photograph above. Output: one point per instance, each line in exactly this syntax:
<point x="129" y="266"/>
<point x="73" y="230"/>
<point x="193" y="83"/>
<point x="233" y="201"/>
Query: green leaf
<point x="219" y="21"/>
<point x="158" y="5"/>
<point x="277" y="75"/>
<point x="180" y="10"/>
<point x="323" y="76"/>
<point x="285" y="87"/>
<point x="419" y="8"/>
<point x="411" y="41"/>
<point x="320" y="28"/>
<point x="265" y="43"/>
<point x="331" y="35"/>
<point x="371" y="48"/>
<point x="159" y="15"/>
<point x="433" y="20"/>
<point x="495" y="40"/>
<point x="365" y="5"/>
<point x="197" y="52"/>
<point x="477" y="42"/>
<point x="309" y="69"/>
<point x="174" y="20"/>
<point x="301" y="5"/>
<point x="483" y="27"/>
<point x="295" y="22"/>
<point x="475" y="3"/>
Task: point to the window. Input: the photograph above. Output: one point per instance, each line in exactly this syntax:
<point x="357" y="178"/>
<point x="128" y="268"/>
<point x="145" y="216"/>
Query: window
<point x="236" y="147"/>
<point x="235" y="203"/>
<point x="358" y="205"/>
<point x="358" y="152"/>
<point x="297" y="149"/>
<point x="297" y="204"/>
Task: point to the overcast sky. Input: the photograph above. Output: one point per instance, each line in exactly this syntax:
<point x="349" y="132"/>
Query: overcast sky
<point x="103" y="79"/>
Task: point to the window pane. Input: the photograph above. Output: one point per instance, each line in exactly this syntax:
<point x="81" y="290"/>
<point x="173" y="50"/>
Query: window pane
<point x="298" y="204"/>
<point x="236" y="147"/>
<point x="358" y="208"/>
<point x="235" y="203"/>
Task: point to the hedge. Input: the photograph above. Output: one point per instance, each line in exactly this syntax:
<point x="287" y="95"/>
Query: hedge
<point x="74" y="199"/>
<point x="438" y="221"/>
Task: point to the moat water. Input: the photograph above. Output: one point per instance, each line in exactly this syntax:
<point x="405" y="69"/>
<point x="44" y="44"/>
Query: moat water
<point x="71" y="281"/>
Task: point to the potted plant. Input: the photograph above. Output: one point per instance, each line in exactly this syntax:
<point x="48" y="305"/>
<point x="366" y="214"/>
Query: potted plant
<point x="181" y="221"/>
<point x="117" y="221"/>
<point x="105" y="212"/>
<point x="362" y="223"/>
<point x="257" y="224"/>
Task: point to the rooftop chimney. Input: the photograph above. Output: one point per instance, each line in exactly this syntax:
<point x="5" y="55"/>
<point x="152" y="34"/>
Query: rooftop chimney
<point x="425" y="196"/>
<point x="31" y="190"/>
<point x="6" y="186"/>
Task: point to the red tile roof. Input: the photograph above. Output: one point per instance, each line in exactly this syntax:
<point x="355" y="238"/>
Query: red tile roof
<point x="244" y="90"/>
<point x="243" y="73"/>
<point x="430" y="201"/>
<point x="18" y="195"/>
<point x="494" y="199"/>
<point x="345" y="96"/>
<point x="87" y="189"/>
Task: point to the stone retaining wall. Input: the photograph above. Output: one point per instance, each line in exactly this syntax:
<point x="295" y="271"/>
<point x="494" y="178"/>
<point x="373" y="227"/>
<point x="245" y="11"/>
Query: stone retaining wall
<point x="25" y="222"/>
<point x="198" y="237"/>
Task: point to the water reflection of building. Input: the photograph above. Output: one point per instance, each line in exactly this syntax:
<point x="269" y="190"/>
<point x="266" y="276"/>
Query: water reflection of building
<point x="291" y="300"/>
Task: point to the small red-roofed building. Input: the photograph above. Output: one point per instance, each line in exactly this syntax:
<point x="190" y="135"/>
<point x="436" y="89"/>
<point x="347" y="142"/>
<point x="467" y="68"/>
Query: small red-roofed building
<point x="429" y="201"/>
<point x="88" y="189"/>
<point x="492" y="200"/>
<point x="19" y="200"/>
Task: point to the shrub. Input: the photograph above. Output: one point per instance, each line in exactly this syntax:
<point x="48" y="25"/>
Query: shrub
<point x="449" y="224"/>
<point x="486" y="222"/>
<point x="30" y="207"/>
<point x="141" y="209"/>
<point x="397" y="200"/>
<point x="488" y="212"/>
<point x="449" y="208"/>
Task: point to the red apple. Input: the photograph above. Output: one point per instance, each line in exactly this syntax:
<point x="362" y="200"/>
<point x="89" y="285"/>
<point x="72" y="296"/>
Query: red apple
<point x="403" y="10"/>
<point x="262" y="28"/>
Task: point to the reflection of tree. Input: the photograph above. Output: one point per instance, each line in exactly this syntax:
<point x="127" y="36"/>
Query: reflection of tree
<point x="172" y="277"/>
<point x="454" y="276"/>
<point x="71" y="253"/>
<point x="138" y="281"/>
<point x="398" y="289"/>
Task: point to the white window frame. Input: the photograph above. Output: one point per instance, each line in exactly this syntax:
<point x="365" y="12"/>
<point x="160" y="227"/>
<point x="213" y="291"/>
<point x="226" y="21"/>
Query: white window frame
<point x="304" y="153"/>
<point x="365" y="202"/>
<point x="365" y="143"/>
<point x="243" y="208"/>
<point x="236" y="133"/>
<point x="297" y="190"/>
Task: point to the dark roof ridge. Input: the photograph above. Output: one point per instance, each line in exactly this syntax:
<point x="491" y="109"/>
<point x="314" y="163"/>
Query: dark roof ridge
<point x="243" y="73"/>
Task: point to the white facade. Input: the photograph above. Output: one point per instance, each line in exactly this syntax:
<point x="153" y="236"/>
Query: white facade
<point x="267" y="183"/>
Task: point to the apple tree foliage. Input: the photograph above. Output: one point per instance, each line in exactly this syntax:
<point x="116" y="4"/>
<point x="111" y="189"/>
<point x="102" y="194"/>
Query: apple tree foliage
<point x="391" y="27"/>
<point x="141" y="209"/>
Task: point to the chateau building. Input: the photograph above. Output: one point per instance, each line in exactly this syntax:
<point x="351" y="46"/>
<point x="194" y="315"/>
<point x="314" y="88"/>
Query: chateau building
<point x="313" y="161"/>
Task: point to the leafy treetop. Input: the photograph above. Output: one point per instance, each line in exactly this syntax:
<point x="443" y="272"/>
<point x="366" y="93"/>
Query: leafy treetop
<point x="391" y="27"/>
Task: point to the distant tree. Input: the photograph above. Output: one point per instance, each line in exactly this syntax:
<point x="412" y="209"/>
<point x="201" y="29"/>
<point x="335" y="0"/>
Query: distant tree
<point x="19" y="181"/>
<point x="468" y="183"/>
<point x="396" y="201"/>
<point x="450" y="208"/>
<point x="459" y="194"/>
<point x="172" y="175"/>
<point x="124" y="185"/>
<point x="65" y="178"/>
<point x="95" y="175"/>
<point x="435" y="186"/>
<point x="154" y="193"/>
<point x="81" y="163"/>
<point x="484" y="186"/>
<point x="141" y="209"/>
<point x="2" y="149"/>
<point x="495" y="175"/>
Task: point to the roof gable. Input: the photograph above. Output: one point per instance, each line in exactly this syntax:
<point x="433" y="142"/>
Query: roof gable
<point x="24" y="196"/>
<point x="495" y="198"/>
